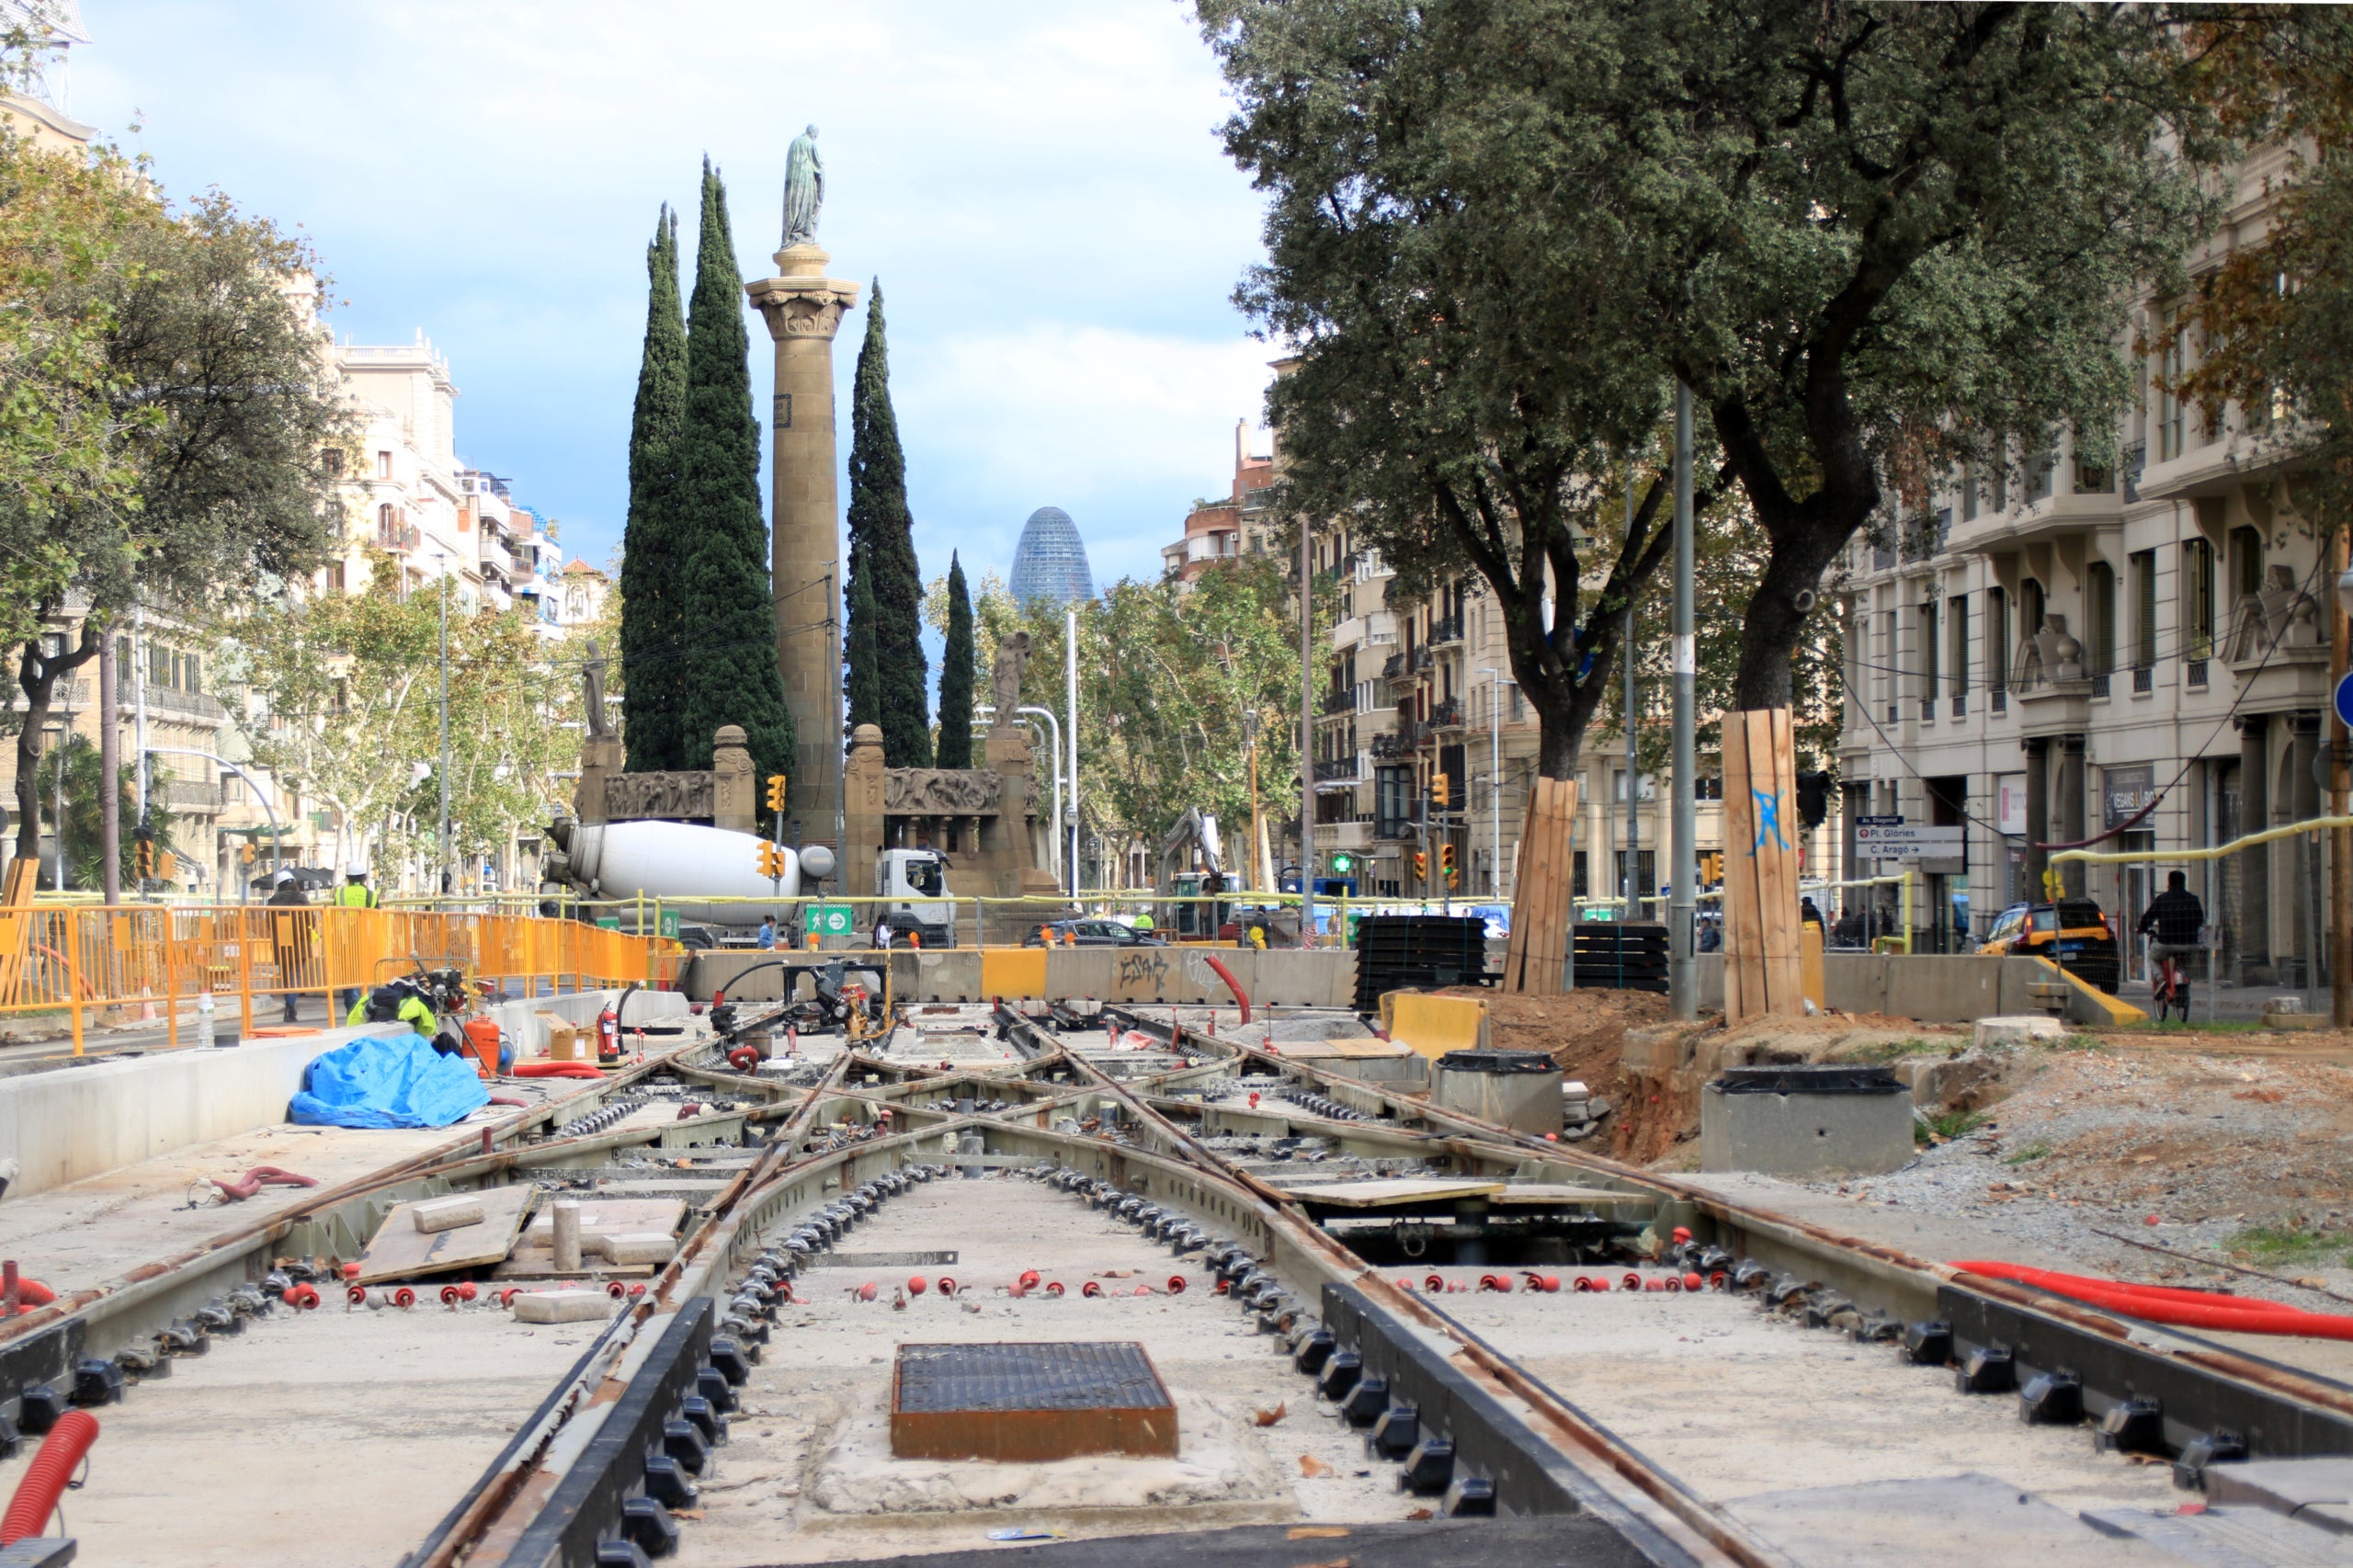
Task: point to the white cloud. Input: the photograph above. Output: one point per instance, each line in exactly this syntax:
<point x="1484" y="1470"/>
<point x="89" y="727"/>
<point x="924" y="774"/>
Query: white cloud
<point x="1040" y="188"/>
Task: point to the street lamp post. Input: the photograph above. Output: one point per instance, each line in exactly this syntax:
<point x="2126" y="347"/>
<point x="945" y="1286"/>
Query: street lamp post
<point x="1495" y="683"/>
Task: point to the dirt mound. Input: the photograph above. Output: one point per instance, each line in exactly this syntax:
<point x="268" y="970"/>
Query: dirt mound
<point x="1581" y="1031"/>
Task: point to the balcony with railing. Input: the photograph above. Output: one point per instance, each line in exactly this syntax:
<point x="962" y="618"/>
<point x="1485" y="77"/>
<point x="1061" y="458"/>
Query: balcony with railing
<point x="170" y="703"/>
<point x="1445" y="630"/>
<point x="398" y="537"/>
<point x="1336" y="770"/>
<point x="1447" y="715"/>
<point x="1342" y="700"/>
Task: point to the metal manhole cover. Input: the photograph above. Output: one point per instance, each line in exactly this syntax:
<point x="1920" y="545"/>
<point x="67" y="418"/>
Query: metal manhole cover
<point x="1029" y="1402"/>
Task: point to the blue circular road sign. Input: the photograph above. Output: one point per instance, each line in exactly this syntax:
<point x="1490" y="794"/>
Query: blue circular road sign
<point x="2345" y="701"/>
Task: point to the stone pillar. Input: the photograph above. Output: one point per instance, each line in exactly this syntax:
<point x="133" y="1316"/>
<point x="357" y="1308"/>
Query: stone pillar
<point x="2071" y="810"/>
<point x="864" y="825"/>
<point x="600" y="758"/>
<point x="804" y="309"/>
<point x="734" y="793"/>
<point x="2038" y="813"/>
<point x="2255" y="865"/>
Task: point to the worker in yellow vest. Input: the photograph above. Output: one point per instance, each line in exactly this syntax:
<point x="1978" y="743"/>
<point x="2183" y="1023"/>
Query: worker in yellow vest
<point x="355" y="894"/>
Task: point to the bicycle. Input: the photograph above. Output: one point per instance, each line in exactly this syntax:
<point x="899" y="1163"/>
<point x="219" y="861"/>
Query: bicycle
<point x="2168" y="987"/>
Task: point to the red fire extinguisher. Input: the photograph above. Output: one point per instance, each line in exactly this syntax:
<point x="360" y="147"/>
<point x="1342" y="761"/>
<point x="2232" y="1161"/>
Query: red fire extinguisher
<point x="608" y="1034"/>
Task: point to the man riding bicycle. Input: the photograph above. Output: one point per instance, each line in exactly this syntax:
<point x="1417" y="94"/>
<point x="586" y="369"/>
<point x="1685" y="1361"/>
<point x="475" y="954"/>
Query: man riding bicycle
<point x="2177" y="919"/>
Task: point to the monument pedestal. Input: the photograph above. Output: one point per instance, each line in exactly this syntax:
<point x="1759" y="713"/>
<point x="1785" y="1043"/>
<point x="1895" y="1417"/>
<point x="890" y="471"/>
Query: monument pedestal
<point x="804" y="309"/>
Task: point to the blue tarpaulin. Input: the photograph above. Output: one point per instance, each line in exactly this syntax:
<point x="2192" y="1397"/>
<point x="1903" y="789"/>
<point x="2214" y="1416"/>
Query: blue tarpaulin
<point x="388" y="1079"/>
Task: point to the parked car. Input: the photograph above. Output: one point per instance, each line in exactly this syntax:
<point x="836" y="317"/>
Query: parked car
<point x="2072" y="933"/>
<point x="1093" y="932"/>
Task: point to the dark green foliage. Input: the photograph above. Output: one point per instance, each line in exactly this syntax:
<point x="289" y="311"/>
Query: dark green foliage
<point x="652" y="623"/>
<point x="956" y="669"/>
<point x="881" y="525"/>
<point x="1873" y="238"/>
<point x="865" y="680"/>
<point x="84" y="831"/>
<point x="727" y="673"/>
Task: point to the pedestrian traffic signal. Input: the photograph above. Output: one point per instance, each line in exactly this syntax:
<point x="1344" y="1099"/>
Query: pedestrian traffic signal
<point x="1446" y="861"/>
<point x="776" y="791"/>
<point x="771" y="860"/>
<point x="1421" y="865"/>
<point x="1441" y="790"/>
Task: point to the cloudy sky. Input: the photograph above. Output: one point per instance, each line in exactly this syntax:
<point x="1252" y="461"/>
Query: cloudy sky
<point x="1039" y="187"/>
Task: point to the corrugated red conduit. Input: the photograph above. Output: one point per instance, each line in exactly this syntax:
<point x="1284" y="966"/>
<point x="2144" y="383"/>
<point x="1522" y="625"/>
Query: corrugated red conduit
<point x="2176" y="1307"/>
<point x="45" y="1479"/>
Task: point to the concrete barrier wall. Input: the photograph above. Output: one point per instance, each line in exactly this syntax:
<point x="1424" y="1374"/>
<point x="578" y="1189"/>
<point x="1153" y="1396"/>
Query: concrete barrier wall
<point x="519" y="1020"/>
<point x="71" y="1123"/>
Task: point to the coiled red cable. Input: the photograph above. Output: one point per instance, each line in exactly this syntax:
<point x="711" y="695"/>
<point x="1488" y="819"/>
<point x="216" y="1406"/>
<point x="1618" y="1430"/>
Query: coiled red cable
<point x="556" y="1070"/>
<point x="45" y="1479"/>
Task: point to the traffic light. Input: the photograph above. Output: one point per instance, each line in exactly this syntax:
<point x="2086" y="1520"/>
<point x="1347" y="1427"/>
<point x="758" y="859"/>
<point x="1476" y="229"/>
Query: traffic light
<point x="142" y="859"/>
<point x="776" y="791"/>
<point x="1421" y="865"/>
<point x="247" y="854"/>
<point x="771" y="860"/>
<point x="1711" y="866"/>
<point x="1441" y="790"/>
<point x="1445" y="860"/>
<point x="1814" y="799"/>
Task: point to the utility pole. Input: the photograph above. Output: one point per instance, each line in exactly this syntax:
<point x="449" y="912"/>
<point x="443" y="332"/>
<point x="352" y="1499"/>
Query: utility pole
<point x="446" y="882"/>
<point x="139" y="722"/>
<point x="1307" y="735"/>
<point x="1069" y="699"/>
<point x="1683" y="911"/>
<point x="1494" y="780"/>
<point x="109" y="774"/>
<point x="2341" y="840"/>
<point x="1633" y="878"/>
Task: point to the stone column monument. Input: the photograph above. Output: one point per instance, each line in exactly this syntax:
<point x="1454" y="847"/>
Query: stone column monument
<point x="804" y="309"/>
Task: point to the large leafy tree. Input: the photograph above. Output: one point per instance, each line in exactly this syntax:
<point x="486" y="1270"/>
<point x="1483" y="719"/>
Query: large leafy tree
<point x="727" y="660"/>
<point x="959" y="669"/>
<point x="881" y="529"/>
<point x="84" y="789"/>
<point x="215" y="413"/>
<point x="1873" y="238"/>
<point x="653" y="625"/>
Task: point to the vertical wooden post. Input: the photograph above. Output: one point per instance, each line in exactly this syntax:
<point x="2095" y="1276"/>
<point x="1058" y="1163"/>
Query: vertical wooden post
<point x="1763" y="976"/>
<point x="1537" y="957"/>
<point x="2341" y="840"/>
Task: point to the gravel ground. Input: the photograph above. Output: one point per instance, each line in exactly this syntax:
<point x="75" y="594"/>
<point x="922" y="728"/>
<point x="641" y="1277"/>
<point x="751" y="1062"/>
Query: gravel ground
<point x="2185" y="1150"/>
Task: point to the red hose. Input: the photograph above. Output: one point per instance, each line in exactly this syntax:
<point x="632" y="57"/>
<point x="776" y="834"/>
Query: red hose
<point x="556" y="1070"/>
<point x="44" y="1483"/>
<point x="517" y="1102"/>
<point x="2158" y="1303"/>
<point x="33" y="1293"/>
<point x="254" y="1180"/>
<point x="1227" y="975"/>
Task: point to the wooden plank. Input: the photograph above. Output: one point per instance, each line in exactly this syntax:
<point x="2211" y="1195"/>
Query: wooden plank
<point x="1553" y="1194"/>
<point x="1784" y="973"/>
<point x="1524" y="889"/>
<point x="16" y="922"/>
<point x="1389" y="1191"/>
<point x="399" y="1251"/>
<point x="1740" y="902"/>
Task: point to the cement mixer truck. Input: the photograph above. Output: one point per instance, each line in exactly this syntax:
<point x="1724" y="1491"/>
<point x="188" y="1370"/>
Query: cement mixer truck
<point x="686" y="864"/>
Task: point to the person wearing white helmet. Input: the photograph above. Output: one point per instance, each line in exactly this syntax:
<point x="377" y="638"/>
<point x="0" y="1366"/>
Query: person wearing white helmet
<point x="290" y="935"/>
<point x="355" y="894"/>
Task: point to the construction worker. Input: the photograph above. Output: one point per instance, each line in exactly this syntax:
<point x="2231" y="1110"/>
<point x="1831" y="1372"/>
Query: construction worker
<point x="290" y="934"/>
<point x="1144" y="923"/>
<point x="355" y="894"/>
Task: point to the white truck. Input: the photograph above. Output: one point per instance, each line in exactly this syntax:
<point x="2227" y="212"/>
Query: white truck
<point x="684" y="864"/>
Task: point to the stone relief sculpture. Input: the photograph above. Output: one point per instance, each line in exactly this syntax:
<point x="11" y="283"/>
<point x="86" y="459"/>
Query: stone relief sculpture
<point x="2050" y="654"/>
<point x="940" y="791"/>
<point x="1005" y="678"/>
<point x="637" y="797"/>
<point x="804" y="189"/>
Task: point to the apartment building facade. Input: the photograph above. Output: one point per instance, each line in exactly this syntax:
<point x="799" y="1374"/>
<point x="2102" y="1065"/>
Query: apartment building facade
<point x="1241" y="524"/>
<point x="2063" y="647"/>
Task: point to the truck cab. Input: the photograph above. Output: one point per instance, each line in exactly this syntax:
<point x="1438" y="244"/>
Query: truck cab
<point x="915" y="882"/>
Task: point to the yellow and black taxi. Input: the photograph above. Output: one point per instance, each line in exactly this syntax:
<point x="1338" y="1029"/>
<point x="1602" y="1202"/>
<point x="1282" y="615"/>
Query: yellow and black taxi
<point x="2072" y="933"/>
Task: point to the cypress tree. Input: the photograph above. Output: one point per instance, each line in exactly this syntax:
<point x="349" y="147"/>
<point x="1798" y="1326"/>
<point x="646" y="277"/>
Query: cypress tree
<point x="881" y="525"/>
<point x="865" y="679"/>
<point x="728" y="673"/>
<point x="652" y="625"/>
<point x="956" y="674"/>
